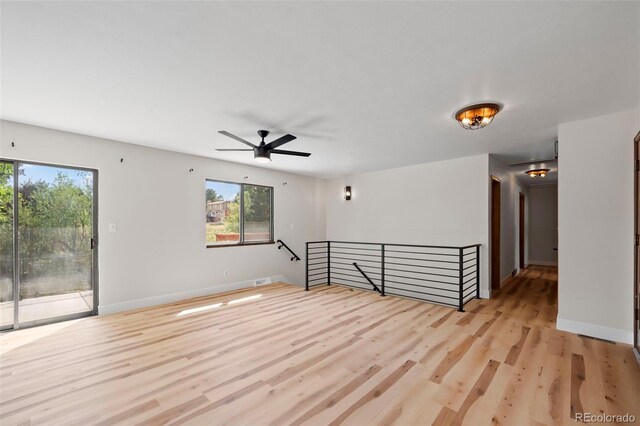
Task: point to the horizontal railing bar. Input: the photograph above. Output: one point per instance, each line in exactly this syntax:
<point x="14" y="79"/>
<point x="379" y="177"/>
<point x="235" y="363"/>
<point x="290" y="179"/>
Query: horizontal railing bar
<point x="424" y="273"/>
<point x="421" y="273"/>
<point x="420" y="266"/>
<point x="343" y="277"/>
<point x="343" y="269"/>
<point x="468" y="288"/>
<point x="376" y="262"/>
<point x="355" y="254"/>
<point x="422" y="286"/>
<point x="469" y="280"/>
<point x="317" y="279"/>
<point x="464" y="296"/>
<point x="371" y="269"/>
<point x="355" y="248"/>
<point x="394" y="244"/>
<point x="319" y="263"/>
<point x="470" y="266"/>
<point x="469" y="260"/>
<point x="317" y="269"/>
<point x="472" y="272"/>
<point x="421" y="252"/>
<point x="423" y="279"/>
<point x="343" y="263"/>
<point x="422" y="260"/>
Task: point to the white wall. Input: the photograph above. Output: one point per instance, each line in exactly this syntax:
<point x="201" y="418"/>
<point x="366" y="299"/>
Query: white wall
<point x="158" y="253"/>
<point x="543" y="225"/>
<point x="595" y="195"/>
<point x="440" y="203"/>
<point x="510" y="189"/>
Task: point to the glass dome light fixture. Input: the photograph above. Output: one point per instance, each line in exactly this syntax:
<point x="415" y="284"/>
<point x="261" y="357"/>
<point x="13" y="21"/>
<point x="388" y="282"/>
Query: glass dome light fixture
<point x="477" y="116"/>
<point x="537" y="173"/>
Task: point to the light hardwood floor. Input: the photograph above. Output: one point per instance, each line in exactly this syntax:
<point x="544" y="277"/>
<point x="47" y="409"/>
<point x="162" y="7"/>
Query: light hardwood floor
<point x="327" y="356"/>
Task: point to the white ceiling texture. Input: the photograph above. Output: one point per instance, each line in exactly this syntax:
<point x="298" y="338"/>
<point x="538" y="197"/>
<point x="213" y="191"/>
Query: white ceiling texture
<point x="363" y="85"/>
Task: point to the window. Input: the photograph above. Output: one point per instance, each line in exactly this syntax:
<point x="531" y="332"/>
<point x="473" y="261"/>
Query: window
<point x="238" y="213"/>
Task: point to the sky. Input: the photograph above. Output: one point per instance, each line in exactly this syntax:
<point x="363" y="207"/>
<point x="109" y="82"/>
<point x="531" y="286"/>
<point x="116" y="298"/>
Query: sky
<point x="48" y="174"/>
<point x="227" y="190"/>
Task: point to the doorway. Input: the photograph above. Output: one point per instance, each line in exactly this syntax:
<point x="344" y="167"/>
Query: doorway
<point x="48" y="243"/>
<point x="521" y="231"/>
<point x="636" y="257"/>
<point x="495" y="233"/>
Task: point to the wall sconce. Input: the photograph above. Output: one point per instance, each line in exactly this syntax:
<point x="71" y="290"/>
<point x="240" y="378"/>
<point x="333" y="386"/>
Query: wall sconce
<point x="347" y="193"/>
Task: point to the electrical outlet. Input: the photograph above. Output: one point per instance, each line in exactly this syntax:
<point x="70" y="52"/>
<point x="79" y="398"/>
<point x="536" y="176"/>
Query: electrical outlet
<point x="292" y="227"/>
<point x="226" y="273"/>
<point x="113" y="227"/>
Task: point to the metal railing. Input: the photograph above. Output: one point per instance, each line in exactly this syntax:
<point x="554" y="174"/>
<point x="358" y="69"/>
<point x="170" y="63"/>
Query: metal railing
<point x="446" y="275"/>
<point x="282" y="244"/>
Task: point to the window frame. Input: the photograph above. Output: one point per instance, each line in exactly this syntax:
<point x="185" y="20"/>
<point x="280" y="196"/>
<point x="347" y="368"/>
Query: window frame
<point x="242" y="242"/>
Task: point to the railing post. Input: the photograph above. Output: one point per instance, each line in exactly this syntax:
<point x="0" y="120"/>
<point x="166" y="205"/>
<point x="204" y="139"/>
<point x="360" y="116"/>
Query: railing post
<point x="477" y="272"/>
<point x="328" y="262"/>
<point x="306" y="269"/>
<point x="460" y="271"/>
<point x="382" y="270"/>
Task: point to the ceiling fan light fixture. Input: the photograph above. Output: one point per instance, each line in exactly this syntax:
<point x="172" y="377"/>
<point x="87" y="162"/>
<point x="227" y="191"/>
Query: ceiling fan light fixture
<point x="262" y="158"/>
<point x="477" y="116"/>
<point x="537" y="173"/>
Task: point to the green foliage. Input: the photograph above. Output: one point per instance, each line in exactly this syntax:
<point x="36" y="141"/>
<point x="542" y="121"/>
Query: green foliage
<point x="212" y="195"/>
<point x="232" y="221"/>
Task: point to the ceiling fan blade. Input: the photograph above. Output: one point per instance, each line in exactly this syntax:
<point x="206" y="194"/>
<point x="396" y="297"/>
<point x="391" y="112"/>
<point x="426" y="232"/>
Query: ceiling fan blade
<point x="234" y="149"/>
<point x="280" y="141"/>
<point x="282" y="151"/>
<point x="239" y="139"/>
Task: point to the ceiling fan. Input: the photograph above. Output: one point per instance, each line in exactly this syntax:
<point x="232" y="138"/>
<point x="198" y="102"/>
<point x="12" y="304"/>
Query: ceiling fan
<point x="262" y="153"/>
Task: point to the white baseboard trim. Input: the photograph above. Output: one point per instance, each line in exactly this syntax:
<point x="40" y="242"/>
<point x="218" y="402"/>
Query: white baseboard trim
<point x="593" y="330"/>
<point x="542" y="263"/>
<point x="485" y="294"/>
<point x="174" y="297"/>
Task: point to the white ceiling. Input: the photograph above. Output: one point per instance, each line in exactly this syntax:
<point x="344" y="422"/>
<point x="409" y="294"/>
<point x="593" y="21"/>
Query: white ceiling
<point x="364" y="86"/>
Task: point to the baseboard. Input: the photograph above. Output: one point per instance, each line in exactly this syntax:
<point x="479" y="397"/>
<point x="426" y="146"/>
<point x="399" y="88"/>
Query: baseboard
<point x="542" y="263"/>
<point x="485" y="294"/>
<point x="174" y="297"/>
<point x="593" y="330"/>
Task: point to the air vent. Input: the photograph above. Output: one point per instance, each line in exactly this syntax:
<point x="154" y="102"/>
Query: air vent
<point x="261" y="281"/>
<point x="597" y="338"/>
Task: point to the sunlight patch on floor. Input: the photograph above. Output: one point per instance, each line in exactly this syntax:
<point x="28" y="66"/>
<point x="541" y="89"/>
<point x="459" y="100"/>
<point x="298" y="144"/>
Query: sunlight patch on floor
<point x="217" y="305"/>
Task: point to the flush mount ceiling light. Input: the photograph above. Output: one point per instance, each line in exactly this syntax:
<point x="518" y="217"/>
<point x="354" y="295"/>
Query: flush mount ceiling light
<point x="537" y="173"/>
<point x="477" y="116"/>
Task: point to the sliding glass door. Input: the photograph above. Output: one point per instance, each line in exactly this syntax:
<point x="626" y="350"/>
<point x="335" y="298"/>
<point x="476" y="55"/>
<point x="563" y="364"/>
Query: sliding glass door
<point x="48" y="273"/>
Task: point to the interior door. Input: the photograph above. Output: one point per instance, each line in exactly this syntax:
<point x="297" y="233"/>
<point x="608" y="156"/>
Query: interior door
<point x="495" y="233"/>
<point x="636" y="326"/>
<point x="521" y="242"/>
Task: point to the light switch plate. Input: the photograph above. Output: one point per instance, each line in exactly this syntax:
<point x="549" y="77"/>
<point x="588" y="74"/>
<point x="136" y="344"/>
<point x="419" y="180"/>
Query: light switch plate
<point x="113" y="227"/>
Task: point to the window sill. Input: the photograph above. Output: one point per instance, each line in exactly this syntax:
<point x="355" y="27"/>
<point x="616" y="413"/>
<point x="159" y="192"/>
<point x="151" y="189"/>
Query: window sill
<point x="257" y="243"/>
